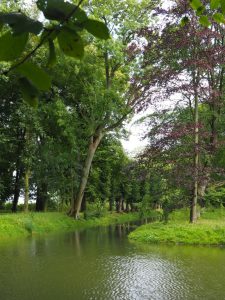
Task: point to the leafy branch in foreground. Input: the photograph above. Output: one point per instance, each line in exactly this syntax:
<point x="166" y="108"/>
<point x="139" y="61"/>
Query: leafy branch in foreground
<point x="66" y="21"/>
<point x="208" y="11"/>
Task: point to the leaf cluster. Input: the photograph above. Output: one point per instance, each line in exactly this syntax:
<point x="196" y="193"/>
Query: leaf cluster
<point x="62" y="26"/>
<point x="215" y="7"/>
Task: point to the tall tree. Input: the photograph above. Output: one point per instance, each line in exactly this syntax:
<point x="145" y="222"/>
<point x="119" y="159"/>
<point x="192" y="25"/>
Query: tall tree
<point x="110" y="103"/>
<point x="180" y="63"/>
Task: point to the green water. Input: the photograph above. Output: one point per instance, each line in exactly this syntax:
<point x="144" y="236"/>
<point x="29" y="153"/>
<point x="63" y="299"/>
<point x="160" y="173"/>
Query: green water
<point x="102" y="264"/>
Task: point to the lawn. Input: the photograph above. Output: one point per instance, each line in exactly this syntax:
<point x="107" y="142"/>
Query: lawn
<point x="209" y="229"/>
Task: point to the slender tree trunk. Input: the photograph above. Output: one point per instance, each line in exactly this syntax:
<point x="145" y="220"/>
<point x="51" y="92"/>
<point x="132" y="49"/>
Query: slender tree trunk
<point x="111" y="201"/>
<point x="26" y="189"/>
<point x="119" y="205"/>
<point x="83" y="204"/>
<point x="127" y="206"/>
<point x="27" y="169"/>
<point x="42" y="197"/>
<point x="19" y="170"/>
<point x="93" y="145"/>
<point x="112" y="196"/>
<point x="132" y="207"/>
<point x="122" y="204"/>
<point x="72" y="186"/>
<point x="16" y="189"/>
<point x="193" y="210"/>
<point x="202" y="186"/>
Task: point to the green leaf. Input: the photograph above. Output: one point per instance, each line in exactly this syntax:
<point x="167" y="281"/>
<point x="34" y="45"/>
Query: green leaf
<point x="41" y="4"/>
<point x="11" y="46"/>
<point x="195" y="4"/>
<point x="219" y="18"/>
<point x="214" y="4"/>
<point x="222" y="3"/>
<point x="52" y="54"/>
<point x="39" y="78"/>
<point x="60" y="10"/>
<point x="80" y="15"/>
<point x="20" y="23"/>
<point x="204" y="21"/>
<point x="184" y="21"/>
<point x="1" y="25"/>
<point x="49" y="33"/>
<point x="71" y="43"/>
<point x="29" y="92"/>
<point x="200" y="10"/>
<point x="97" y="28"/>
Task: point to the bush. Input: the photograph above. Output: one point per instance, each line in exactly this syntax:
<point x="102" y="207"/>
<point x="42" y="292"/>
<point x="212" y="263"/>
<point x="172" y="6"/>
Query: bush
<point x="145" y="206"/>
<point x="215" y="197"/>
<point x="95" y="210"/>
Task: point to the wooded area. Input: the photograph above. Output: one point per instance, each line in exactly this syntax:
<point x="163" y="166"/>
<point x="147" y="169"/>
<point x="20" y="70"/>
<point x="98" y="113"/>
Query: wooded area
<point x="73" y="74"/>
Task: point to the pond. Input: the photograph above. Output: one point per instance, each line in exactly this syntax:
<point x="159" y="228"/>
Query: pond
<point x="101" y="263"/>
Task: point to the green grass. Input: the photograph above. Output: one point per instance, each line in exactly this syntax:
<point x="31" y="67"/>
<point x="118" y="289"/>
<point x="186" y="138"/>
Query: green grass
<point x="209" y="230"/>
<point x="22" y="224"/>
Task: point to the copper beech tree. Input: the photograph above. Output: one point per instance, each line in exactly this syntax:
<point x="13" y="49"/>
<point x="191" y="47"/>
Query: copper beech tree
<point x="185" y="65"/>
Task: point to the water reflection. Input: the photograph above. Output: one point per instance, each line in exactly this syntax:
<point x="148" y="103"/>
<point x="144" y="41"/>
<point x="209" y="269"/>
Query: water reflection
<point x="102" y="264"/>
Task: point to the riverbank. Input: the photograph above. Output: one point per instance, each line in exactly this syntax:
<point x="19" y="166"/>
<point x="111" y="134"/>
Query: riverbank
<point x="209" y="230"/>
<point x="26" y="224"/>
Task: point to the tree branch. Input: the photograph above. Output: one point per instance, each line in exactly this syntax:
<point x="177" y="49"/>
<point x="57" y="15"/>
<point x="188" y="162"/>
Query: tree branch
<point x="45" y="38"/>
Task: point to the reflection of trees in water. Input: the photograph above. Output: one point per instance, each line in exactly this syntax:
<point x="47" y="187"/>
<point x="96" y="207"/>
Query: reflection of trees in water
<point x="105" y="265"/>
<point x="39" y="247"/>
<point x="78" y="243"/>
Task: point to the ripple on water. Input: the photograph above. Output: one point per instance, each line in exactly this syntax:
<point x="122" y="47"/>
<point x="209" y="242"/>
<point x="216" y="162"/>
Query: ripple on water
<point x="140" y="277"/>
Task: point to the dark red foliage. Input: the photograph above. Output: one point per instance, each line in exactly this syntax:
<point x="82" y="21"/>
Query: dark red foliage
<point x="174" y="56"/>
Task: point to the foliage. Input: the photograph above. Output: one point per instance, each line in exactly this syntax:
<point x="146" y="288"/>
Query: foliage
<point x="215" y="197"/>
<point x="216" y="8"/>
<point x="64" y="21"/>
<point x="176" y="65"/>
<point x="95" y="210"/>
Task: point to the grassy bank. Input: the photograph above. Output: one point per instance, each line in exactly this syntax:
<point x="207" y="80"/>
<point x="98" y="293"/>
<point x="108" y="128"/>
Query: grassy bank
<point x="22" y="225"/>
<point x="209" y="230"/>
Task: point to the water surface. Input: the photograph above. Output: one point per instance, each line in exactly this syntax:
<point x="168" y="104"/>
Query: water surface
<point x="102" y="264"/>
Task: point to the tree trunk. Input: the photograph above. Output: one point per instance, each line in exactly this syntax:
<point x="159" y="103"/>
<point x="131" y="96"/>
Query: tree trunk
<point x="132" y="207"/>
<point x="19" y="170"/>
<point x="112" y="196"/>
<point x="122" y="204"/>
<point x="119" y="205"/>
<point x="26" y="189"/>
<point x="93" y="145"/>
<point x="193" y="210"/>
<point x="202" y="185"/>
<point x="16" y="189"/>
<point x="27" y="168"/>
<point x="83" y="204"/>
<point x="111" y="202"/>
<point x="42" y="197"/>
<point x="127" y="206"/>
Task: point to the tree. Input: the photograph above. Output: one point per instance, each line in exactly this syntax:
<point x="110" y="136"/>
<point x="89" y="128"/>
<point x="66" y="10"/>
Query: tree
<point x="185" y="61"/>
<point x="108" y="86"/>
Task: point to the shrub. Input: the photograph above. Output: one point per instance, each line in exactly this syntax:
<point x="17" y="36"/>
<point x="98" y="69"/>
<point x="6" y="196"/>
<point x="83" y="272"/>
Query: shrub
<point x="95" y="210"/>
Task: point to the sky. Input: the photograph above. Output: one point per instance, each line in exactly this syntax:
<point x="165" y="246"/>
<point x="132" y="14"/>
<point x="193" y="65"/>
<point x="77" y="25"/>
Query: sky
<point x="134" y="143"/>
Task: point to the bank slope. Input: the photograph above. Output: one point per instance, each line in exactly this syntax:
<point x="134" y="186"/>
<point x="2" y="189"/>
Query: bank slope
<point x="22" y="225"/>
<point x="205" y="232"/>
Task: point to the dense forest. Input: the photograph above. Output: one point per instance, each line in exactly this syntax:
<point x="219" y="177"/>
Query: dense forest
<point x="73" y="75"/>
